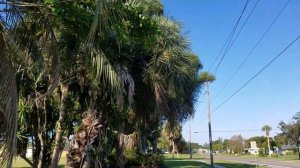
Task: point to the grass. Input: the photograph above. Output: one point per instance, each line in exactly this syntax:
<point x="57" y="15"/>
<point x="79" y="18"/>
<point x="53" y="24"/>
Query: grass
<point x="235" y="165"/>
<point x="280" y="157"/>
<point x="20" y="163"/>
<point x="182" y="162"/>
<point x="198" y="161"/>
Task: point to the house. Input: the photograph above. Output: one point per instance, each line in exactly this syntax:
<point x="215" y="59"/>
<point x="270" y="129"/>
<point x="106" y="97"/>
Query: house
<point x="202" y="151"/>
<point x="253" y="150"/>
<point x="29" y="152"/>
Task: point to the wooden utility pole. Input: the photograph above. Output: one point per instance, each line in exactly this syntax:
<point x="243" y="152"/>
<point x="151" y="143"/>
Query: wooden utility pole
<point x="269" y="145"/>
<point x="190" y="140"/>
<point x="209" y="126"/>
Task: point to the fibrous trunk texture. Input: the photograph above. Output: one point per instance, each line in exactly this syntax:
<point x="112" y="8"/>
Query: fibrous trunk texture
<point x="82" y="142"/>
<point x="125" y="142"/>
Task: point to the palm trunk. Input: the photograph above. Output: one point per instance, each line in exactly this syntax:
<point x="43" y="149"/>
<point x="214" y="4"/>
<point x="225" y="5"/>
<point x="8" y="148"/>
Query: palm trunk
<point x="173" y="148"/>
<point x="59" y="141"/>
<point x="154" y="145"/>
<point x="82" y="142"/>
<point x="41" y="155"/>
<point x="298" y="145"/>
<point x="43" y="161"/>
<point x="125" y="142"/>
<point x="120" y="150"/>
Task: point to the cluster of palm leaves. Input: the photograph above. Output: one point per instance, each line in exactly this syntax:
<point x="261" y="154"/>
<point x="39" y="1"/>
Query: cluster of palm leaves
<point x="86" y="70"/>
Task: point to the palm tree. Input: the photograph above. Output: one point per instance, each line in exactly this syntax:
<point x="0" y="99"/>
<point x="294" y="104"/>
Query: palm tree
<point x="35" y="29"/>
<point x="173" y="132"/>
<point x="267" y="130"/>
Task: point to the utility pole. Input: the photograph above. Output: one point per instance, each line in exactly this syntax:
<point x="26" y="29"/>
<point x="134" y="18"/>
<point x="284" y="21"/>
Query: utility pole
<point x="269" y="145"/>
<point x="190" y="140"/>
<point x="209" y="126"/>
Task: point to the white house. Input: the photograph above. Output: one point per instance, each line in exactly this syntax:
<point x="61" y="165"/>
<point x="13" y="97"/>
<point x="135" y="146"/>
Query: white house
<point x="253" y="149"/>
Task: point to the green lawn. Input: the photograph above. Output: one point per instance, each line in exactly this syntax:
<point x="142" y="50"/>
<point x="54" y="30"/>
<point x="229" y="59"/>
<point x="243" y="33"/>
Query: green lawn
<point x="280" y="157"/>
<point x="198" y="161"/>
<point x="20" y="163"/>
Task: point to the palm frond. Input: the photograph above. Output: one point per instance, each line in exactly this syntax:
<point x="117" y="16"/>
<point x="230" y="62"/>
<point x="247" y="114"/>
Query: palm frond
<point x="8" y="103"/>
<point x="174" y="70"/>
<point x="36" y="37"/>
<point x="105" y="16"/>
<point x="106" y="74"/>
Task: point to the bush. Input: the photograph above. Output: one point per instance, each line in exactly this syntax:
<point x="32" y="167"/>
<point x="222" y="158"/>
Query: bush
<point x="261" y="152"/>
<point x="274" y="155"/>
<point x="289" y="152"/>
<point x="132" y="159"/>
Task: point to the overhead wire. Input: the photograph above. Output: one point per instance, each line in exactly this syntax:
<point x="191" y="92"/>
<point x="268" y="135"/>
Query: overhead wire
<point x="253" y="49"/>
<point x="230" y="35"/>
<point x="231" y="42"/>
<point x="254" y="76"/>
<point x="258" y="73"/>
<point x="226" y="131"/>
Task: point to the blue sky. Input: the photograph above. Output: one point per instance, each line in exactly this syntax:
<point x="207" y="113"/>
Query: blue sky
<point x="271" y="97"/>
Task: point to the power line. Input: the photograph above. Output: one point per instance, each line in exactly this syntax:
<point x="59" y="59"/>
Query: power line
<point x="258" y="73"/>
<point x="225" y="131"/>
<point x="252" y="51"/>
<point x="229" y="38"/>
<point x="231" y="44"/>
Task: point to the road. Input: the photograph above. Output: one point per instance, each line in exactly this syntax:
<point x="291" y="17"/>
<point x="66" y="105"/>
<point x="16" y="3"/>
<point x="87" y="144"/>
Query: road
<point x="272" y="163"/>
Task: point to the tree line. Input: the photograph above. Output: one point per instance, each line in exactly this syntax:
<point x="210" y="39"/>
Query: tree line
<point x="289" y="136"/>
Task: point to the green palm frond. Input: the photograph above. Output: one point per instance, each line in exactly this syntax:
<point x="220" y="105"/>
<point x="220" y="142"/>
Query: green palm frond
<point x="173" y="68"/>
<point x="106" y="74"/>
<point x="105" y="16"/>
<point x="32" y="28"/>
<point x="149" y="7"/>
<point x="8" y="102"/>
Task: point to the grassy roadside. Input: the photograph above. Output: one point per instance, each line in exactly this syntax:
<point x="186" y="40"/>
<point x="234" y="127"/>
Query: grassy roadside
<point x="182" y="162"/>
<point x="283" y="158"/>
<point x="199" y="161"/>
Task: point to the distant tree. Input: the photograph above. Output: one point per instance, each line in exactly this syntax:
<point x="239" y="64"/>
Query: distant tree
<point x="226" y="145"/>
<point x="218" y="145"/>
<point x="292" y="131"/>
<point x="195" y="145"/>
<point x="267" y="130"/>
<point x="280" y="140"/>
<point x="236" y="144"/>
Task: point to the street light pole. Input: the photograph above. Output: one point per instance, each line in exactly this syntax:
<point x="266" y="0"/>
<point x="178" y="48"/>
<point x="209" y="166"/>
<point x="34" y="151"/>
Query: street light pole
<point x="209" y="126"/>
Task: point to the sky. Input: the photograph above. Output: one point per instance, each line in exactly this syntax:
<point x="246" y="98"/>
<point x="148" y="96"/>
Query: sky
<point x="272" y="96"/>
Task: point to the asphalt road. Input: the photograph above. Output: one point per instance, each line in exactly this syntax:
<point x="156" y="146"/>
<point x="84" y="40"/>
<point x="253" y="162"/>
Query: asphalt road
<point x="272" y="163"/>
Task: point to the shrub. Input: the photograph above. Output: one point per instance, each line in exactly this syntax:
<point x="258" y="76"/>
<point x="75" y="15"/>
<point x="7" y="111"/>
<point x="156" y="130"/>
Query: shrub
<point x="289" y="152"/>
<point x="132" y="159"/>
<point x="261" y="152"/>
<point x="274" y="155"/>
